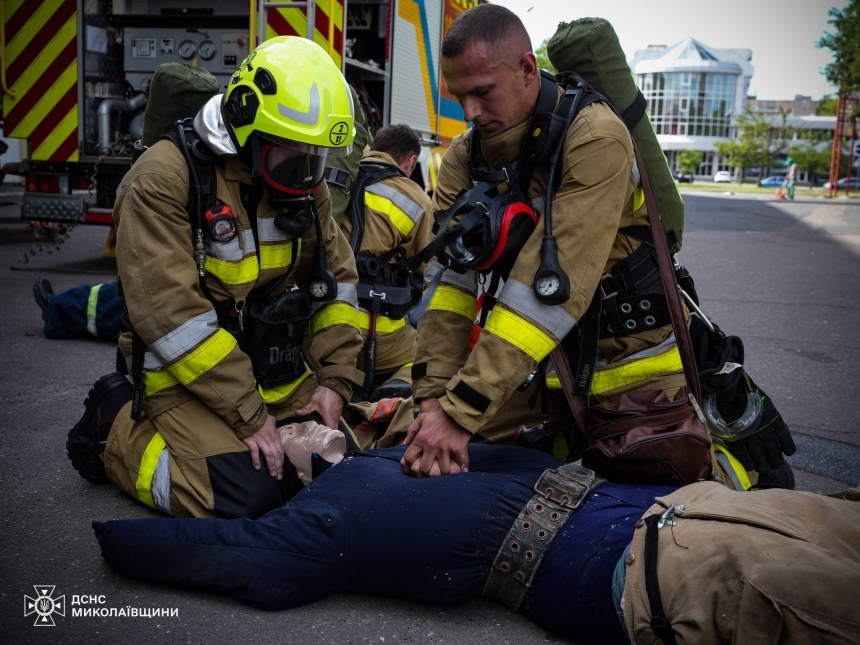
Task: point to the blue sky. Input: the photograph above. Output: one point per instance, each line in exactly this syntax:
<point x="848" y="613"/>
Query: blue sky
<point x="781" y="35"/>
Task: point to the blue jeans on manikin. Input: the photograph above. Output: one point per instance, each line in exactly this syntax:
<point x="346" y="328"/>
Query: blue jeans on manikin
<point x="365" y="527"/>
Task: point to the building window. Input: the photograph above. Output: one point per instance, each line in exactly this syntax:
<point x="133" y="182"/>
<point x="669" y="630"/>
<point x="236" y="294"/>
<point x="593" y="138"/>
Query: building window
<point x="690" y="104"/>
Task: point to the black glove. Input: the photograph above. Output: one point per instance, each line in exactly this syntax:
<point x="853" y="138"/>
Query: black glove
<point x="762" y="451"/>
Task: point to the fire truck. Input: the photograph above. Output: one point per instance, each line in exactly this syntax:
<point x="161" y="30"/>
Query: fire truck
<point x="75" y="76"/>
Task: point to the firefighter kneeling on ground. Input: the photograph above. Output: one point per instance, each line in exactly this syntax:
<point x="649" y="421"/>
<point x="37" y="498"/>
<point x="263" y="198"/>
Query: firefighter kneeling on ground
<point x="216" y="349"/>
<point x="601" y="229"/>
<point x="386" y="226"/>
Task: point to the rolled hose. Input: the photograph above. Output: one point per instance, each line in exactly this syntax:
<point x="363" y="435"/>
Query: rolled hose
<point x="590" y="48"/>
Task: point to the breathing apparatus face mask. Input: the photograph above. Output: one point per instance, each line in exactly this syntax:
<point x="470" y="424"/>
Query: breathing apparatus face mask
<point x="292" y="172"/>
<point x="493" y="226"/>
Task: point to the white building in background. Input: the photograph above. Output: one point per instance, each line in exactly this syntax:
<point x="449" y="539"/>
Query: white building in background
<point x="694" y="94"/>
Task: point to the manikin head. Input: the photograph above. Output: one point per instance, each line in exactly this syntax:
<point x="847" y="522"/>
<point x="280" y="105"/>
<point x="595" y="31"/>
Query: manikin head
<point x="488" y="65"/>
<point x="401" y="142"/>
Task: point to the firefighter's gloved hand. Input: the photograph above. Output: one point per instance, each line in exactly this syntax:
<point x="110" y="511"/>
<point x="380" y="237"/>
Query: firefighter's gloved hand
<point x="763" y="451"/>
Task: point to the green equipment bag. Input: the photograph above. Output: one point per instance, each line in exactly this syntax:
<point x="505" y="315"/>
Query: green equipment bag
<point x="589" y="47"/>
<point x="177" y="91"/>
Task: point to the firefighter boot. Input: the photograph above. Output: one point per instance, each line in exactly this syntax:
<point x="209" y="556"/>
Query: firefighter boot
<point x="42" y="293"/>
<point x="87" y="439"/>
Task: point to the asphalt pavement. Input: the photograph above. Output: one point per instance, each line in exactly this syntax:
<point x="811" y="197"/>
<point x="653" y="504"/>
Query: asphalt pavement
<point x="783" y="276"/>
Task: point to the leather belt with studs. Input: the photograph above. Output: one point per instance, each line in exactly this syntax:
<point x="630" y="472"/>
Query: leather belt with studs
<point x="558" y="493"/>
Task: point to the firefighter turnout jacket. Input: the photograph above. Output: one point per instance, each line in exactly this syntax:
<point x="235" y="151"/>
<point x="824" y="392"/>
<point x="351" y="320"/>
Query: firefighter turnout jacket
<point x="394" y="216"/>
<point x="188" y="354"/>
<point x="599" y="193"/>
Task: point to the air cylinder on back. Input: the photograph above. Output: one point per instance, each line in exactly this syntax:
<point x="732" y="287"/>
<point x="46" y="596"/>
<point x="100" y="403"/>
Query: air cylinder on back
<point x="590" y="47"/>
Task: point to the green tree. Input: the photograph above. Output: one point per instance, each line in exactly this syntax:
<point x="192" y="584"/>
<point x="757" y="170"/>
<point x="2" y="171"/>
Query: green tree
<point x="739" y="154"/>
<point x="765" y="140"/>
<point x="826" y="106"/>
<point x="689" y="161"/>
<point x="844" y="71"/>
<point x="543" y="59"/>
<point x="810" y="158"/>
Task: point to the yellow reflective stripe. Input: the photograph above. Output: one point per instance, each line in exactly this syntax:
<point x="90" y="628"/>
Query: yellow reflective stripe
<point x="270" y="395"/>
<point x="92" y="307"/>
<point x="384" y="325"/>
<point x="409" y="364"/>
<point x="337" y="313"/>
<point x="147" y="469"/>
<point x="454" y="300"/>
<point x="401" y="220"/>
<point x="553" y="382"/>
<point x="520" y="333"/>
<point x="210" y="352"/>
<point x="156" y="381"/>
<point x="734" y="466"/>
<point x="246" y="270"/>
<point x="276" y="256"/>
<point x="610" y="379"/>
<point x="638" y="199"/>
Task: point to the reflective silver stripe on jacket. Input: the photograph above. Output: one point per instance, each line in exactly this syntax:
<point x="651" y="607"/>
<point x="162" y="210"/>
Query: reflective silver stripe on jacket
<point x="150" y="363"/>
<point x="346" y="292"/>
<point x="231" y="251"/>
<point x="665" y="346"/>
<point x="268" y="232"/>
<point x="412" y="210"/>
<point x="161" y="483"/>
<point x="522" y="299"/>
<point x="185" y="337"/>
<point x="467" y="281"/>
<point x="637" y="177"/>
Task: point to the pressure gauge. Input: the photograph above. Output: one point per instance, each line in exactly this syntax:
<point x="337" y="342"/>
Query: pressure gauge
<point x="319" y="289"/>
<point x="207" y="50"/>
<point x="547" y="285"/>
<point x="187" y="49"/>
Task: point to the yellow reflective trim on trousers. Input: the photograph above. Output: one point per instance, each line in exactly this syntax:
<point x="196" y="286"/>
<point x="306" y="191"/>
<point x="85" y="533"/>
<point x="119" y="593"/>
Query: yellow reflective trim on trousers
<point x="734" y="466"/>
<point x="270" y="395"/>
<point x="245" y="270"/>
<point x="92" y="308"/>
<point x="147" y="469"/>
<point x="207" y="355"/>
<point x="384" y="325"/>
<point x="520" y="333"/>
<point x="337" y="313"/>
<point x="638" y="198"/>
<point x="453" y="300"/>
<point x="276" y="256"/>
<point x="666" y="363"/>
<point x="401" y="220"/>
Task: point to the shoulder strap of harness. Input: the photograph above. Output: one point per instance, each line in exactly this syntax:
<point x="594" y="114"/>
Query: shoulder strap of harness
<point x="370" y="171"/>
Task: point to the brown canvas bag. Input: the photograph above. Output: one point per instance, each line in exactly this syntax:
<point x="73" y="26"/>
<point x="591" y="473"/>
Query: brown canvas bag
<point x="648" y="439"/>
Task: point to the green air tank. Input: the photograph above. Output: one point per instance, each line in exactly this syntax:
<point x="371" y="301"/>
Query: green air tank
<point x="589" y="47"/>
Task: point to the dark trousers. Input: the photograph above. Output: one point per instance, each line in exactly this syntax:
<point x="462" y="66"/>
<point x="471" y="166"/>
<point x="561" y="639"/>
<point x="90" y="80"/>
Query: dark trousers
<point x="87" y="311"/>
<point x="364" y="526"/>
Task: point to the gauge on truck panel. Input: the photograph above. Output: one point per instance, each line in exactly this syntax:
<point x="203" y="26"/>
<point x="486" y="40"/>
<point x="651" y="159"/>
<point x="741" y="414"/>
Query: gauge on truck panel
<point x="207" y="50"/>
<point x="187" y="49"/>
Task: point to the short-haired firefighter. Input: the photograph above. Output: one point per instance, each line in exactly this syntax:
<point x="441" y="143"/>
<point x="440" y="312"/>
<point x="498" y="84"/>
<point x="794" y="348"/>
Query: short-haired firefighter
<point x="228" y="257"/>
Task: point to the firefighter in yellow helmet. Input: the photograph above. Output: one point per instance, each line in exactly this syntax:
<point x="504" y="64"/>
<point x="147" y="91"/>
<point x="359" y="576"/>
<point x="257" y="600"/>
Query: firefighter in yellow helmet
<point x="216" y="224"/>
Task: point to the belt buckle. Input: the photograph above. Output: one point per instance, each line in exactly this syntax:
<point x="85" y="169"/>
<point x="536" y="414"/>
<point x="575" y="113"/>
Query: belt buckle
<point x="552" y="486"/>
<point x="603" y="279"/>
